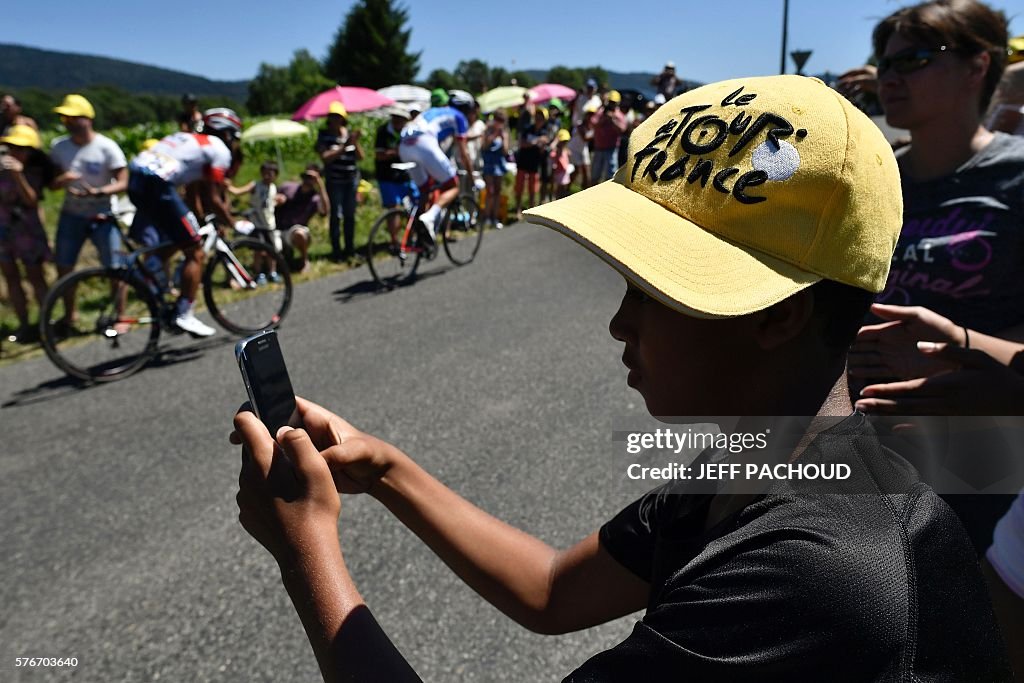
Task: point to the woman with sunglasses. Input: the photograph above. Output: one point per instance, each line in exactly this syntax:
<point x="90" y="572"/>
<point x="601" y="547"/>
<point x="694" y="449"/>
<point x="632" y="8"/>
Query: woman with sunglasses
<point x="962" y="246"/>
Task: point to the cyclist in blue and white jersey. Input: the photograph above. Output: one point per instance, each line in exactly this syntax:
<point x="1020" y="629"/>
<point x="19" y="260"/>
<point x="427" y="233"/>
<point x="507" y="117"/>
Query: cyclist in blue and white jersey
<point x="206" y="158"/>
<point x="420" y="143"/>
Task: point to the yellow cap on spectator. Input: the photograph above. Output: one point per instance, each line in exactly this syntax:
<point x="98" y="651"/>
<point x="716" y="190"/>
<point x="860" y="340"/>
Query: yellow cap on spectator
<point x="76" y="105"/>
<point x="339" y="109"/>
<point x="564" y="135"/>
<point x="21" y="135"/>
<point x="614" y="96"/>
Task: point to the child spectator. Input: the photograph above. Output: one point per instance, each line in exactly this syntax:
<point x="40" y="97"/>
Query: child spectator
<point x="263" y="198"/>
<point x="561" y="167"/>
<point x="495" y="149"/>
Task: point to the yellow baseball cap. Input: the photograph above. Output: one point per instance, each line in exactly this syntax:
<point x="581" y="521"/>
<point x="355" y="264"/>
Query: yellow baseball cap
<point x="76" y="105"/>
<point x="614" y="96"/>
<point x="739" y="194"/>
<point x="20" y="135"/>
<point x="339" y="109"/>
<point x="564" y="135"/>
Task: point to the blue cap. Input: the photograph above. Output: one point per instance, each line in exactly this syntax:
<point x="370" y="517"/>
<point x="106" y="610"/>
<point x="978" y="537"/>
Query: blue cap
<point x="591" y="83"/>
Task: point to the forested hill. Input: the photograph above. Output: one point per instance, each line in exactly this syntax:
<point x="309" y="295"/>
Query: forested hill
<point x="29" y="67"/>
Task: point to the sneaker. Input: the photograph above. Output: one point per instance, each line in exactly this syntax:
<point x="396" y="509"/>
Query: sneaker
<point x="261" y="279"/>
<point x="498" y="225"/>
<point x="427" y="234"/>
<point x="193" y="325"/>
<point x="430" y="224"/>
<point x="275" y="276"/>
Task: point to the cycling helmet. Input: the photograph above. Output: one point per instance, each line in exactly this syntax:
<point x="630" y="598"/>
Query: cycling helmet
<point x="461" y="100"/>
<point x="222" y="120"/>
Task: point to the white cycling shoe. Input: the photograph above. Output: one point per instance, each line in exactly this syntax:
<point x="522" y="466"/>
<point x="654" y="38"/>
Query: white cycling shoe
<point x="193" y="325"/>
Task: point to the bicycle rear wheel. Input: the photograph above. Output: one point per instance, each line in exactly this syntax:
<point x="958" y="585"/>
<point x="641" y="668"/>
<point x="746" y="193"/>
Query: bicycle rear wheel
<point x="116" y="330"/>
<point x="462" y="230"/>
<point x="249" y="289"/>
<point x="392" y="262"/>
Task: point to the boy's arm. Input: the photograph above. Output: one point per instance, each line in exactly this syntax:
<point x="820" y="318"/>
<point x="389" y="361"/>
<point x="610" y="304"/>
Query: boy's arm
<point x="545" y="590"/>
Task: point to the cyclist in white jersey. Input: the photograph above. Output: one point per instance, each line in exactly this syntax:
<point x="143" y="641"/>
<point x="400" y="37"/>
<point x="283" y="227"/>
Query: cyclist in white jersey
<point x="154" y="177"/>
<point x="420" y="143"/>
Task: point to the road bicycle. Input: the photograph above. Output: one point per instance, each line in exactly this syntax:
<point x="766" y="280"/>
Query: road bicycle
<point x="121" y="311"/>
<point x="393" y="257"/>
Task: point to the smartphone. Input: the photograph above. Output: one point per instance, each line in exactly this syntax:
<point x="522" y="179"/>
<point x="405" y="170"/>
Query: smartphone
<point x="266" y="381"/>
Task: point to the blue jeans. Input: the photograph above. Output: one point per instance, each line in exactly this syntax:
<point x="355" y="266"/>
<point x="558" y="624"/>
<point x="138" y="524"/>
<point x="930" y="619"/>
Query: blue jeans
<point x="603" y="164"/>
<point x="343" y="207"/>
<point x="72" y="232"/>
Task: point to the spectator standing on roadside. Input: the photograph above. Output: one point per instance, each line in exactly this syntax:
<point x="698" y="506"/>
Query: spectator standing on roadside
<point x="297" y="206"/>
<point x="532" y="154"/>
<point x="94" y="172"/>
<point x="586" y="103"/>
<point x="395" y="184"/>
<point x="190" y="118"/>
<point x="24" y="172"/>
<point x="11" y="114"/>
<point x="961" y="248"/>
<point x="609" y="123"/>
<point x="666" y="82"/>
<point x="579" y="150"/>
<point x="495" y="151"/>
<point x="561" y="167"/>
<point x="339" y="151"/>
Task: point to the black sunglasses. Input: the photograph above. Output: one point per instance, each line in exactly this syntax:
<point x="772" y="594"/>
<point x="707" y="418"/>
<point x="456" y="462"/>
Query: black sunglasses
<point x="910" y="60"/>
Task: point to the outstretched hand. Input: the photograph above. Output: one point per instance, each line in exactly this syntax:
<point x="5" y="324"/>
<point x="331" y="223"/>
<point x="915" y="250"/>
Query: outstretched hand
<point x="889" y="349"/>
<point x="977" y="384"/>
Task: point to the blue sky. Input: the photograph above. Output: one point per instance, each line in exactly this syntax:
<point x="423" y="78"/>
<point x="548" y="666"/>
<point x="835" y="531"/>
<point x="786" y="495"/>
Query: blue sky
<point x="708" y="41"/>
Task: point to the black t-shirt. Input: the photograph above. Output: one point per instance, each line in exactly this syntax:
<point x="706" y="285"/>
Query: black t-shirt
<point x="961" y="250"/>
<point x="388" y="138"/>
<point x="341" y="169"/>
<point x="871" y="579"/>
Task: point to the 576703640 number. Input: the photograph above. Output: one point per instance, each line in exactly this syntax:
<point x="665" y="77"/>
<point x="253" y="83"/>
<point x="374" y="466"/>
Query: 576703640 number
<point x="46" y="661"/>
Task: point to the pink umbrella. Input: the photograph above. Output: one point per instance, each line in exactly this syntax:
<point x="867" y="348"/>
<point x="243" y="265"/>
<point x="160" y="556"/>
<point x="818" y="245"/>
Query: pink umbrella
<point x="354" y="99"/>
<point x="549" y="91"/>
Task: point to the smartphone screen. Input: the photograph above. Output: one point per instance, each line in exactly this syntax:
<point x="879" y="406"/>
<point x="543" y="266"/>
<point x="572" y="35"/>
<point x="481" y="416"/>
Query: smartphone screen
<point x="266" y="380"/>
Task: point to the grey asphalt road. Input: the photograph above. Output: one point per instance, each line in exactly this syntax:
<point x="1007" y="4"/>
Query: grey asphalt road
<point x="120" y="545"/>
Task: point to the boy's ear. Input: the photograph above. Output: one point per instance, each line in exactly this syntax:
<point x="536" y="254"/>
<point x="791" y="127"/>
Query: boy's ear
<point x="783" y="322"/>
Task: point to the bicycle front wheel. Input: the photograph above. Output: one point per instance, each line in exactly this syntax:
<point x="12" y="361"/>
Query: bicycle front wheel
<point x="393" y="258"/>
<point x="462" y="230"/>
<point x="248" y="288"/>
<point x="100" y="324"/>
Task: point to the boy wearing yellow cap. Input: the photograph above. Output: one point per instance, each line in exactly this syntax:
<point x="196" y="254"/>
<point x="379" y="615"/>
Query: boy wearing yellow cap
<point x="24" y="172"/>
<point x="753" y="222"/>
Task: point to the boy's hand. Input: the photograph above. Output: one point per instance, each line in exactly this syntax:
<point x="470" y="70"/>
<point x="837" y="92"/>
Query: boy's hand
<point x="356" y="460"/>
<point x="286" y="497"/>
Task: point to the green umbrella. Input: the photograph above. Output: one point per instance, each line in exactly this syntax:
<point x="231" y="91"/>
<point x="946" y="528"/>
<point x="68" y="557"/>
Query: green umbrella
<point x="274" y="129"/>
<point x="501" y="98"/>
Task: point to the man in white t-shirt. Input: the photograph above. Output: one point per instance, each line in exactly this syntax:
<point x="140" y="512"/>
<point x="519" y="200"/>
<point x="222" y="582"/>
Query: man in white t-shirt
<point x="94" y="172"/>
